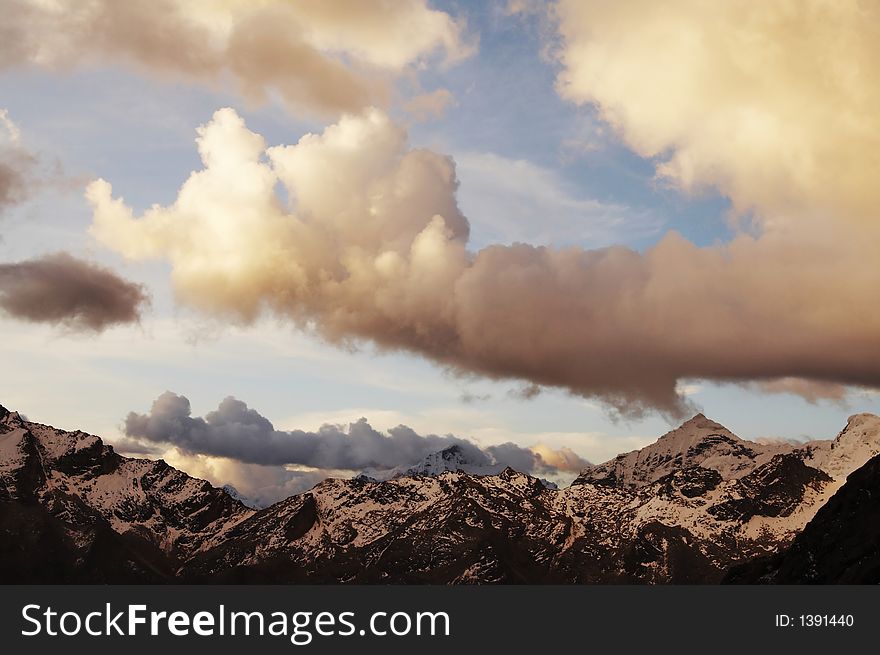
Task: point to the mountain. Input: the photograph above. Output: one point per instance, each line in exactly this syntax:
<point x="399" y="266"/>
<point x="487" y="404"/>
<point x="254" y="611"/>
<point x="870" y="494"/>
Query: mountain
<point x="849" y="450"/>
<point x="698" y="442"/>
<point x="73" y="510"/>
<point x="449" y="459"/>
<point x="685" y="509"/>
<point x="244" y="500"/>
<point x="454" y="459"/>
<point x="840" y="545"/>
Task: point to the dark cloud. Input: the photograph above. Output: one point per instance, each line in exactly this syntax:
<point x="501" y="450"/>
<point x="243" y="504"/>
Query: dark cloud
<point x="63" y="290"/>
<point x="238" y="432"/>
<point x="525" y="392"/>
<point x="521" y="459"/>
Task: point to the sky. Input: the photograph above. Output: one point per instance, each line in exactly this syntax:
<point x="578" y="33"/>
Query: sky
<point x="550" y="231"/>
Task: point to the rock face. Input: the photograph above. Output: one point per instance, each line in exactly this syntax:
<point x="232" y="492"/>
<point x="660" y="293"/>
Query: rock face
<point x="682" y="510"/>
<point x="72" y="510"/>
<point x="840" y="545"/>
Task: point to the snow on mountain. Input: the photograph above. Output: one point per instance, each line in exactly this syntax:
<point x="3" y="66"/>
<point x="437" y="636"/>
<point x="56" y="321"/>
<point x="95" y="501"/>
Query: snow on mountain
<point x="244" y="500"/>
<point x="705" y="443"/>
<point x="840" y="545"/>
<point x="858" y="442"/>
<point x="451" y="459"/>
<point x="697" y="442"/>
<point x="82" y="493"/>
<point x="12" y="433"/>
<point x="684" y="509"/>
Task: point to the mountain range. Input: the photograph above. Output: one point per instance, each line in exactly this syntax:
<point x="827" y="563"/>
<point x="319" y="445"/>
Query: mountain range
<point x="699" y="505"/>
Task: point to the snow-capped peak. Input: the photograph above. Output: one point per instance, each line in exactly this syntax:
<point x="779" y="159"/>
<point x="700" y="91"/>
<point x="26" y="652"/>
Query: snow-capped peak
<point x="237" y="495"/>
<point x="699" y="441"/>
<point x="858" y="442"/>
<point x="451" y="459"/>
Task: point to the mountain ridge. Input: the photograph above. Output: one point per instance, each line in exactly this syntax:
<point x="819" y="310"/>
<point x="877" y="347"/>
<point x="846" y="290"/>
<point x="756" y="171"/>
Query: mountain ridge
<point x="713" y="501"/>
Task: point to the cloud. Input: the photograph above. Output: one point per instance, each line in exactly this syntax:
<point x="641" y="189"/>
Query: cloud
<point x="260" y="485"/>
<point x="17" y="165"/>
<point x="63" y="290"/>
<point x="775" y="105"/>
<point x="318" y="56"/>
<point x="467" y="397"/>
<point x="561" y="459"/>
<point x="811" y="391"/>
<point x="236" y="432"/>
<point x="387" y="261"/>
<point x="525" y="392"/>
<point x="430" y="105"/>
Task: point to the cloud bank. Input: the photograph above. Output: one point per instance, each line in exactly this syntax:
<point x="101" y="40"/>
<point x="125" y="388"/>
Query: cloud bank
<point x="63" y="290"/>
<point x="372" y="246"/>
<point x="316" y="55"/>
<point x="237" y="432"/>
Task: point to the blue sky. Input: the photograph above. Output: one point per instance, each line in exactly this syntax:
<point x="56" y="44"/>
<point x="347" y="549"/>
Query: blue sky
<point x="533" y="167"/>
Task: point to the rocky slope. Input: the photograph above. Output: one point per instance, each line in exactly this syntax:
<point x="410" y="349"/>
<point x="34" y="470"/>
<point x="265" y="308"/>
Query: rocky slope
<point x="71" y="509"/>
<point x="698" y="442"/>
<point x="683" y="510"/>
<point x="840" y="545"/>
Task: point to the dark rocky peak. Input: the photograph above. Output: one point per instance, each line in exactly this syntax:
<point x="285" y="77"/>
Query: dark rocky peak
<point x="10" y="419"/>
<point x="452" y="452"/>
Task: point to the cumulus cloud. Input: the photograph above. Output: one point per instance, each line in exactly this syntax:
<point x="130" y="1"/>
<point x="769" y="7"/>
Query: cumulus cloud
<point x="236" y="432"/>
<point x="372" y="246"/>
<point x="774" y="105"/>
<point x="316" y="55"/>
<point x="63" y="290"/>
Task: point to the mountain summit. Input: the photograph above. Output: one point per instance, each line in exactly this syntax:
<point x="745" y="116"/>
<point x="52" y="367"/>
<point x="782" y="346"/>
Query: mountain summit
<point x="703" y="442"/>
<point x="451" y="459"/>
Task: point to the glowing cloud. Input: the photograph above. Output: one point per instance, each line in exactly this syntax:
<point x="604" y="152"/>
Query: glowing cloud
<point x="775" y="104"/>
<point x="373" y="247"/>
